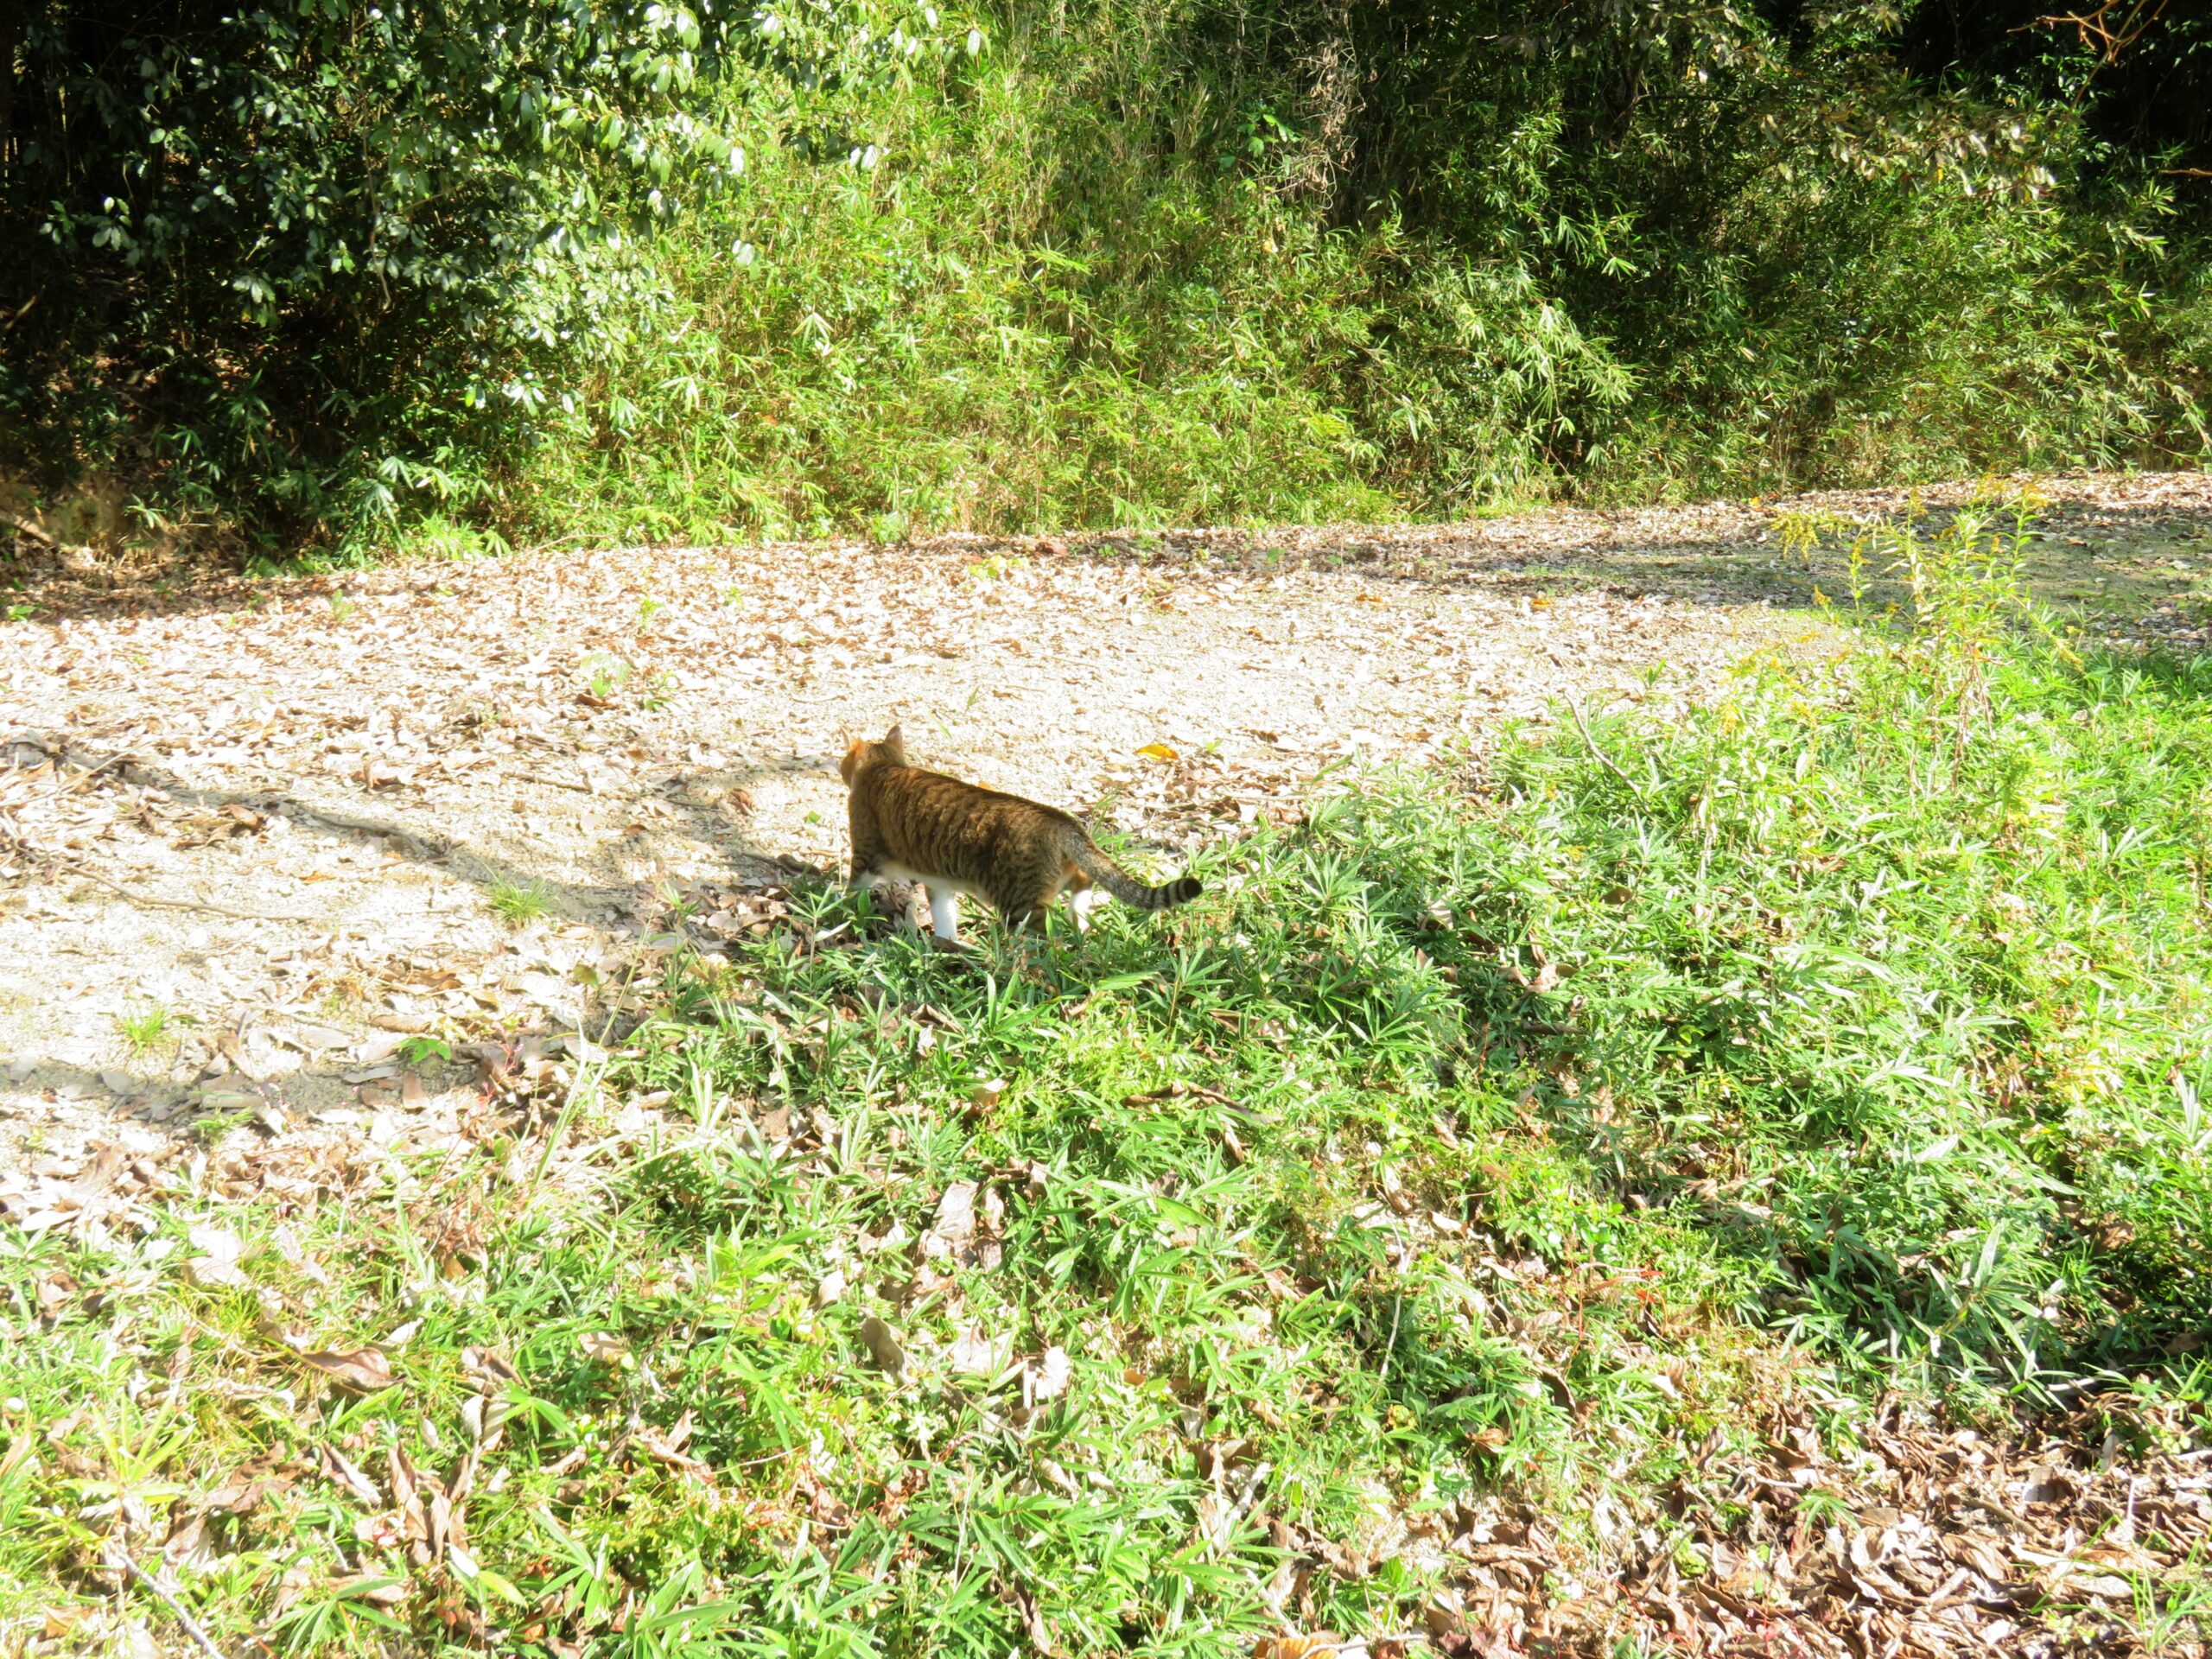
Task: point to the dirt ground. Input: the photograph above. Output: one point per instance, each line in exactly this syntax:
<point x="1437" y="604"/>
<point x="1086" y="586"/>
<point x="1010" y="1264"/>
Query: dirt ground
<point x="255" y="835"/>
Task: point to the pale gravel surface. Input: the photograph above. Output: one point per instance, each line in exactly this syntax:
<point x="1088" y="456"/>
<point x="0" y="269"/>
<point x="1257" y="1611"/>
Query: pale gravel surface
<point x="351" y="765"/>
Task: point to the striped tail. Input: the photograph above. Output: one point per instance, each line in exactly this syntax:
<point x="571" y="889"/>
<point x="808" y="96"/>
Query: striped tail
<point x="1116" y="880"/>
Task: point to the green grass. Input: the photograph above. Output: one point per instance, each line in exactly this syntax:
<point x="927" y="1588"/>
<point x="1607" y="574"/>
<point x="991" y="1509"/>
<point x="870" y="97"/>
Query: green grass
<point x="145" y="1032"/>
<point x="517" y="902"/>
<point x="1845" y="1038"/>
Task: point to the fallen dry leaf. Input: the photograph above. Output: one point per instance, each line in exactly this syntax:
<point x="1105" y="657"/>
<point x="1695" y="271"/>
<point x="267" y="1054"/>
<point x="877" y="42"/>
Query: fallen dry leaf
<point x="882" y="1347"/>
<point x="1051" y="1375"/>
<point x="954" y="1226"/>
<point x="338" y="1467"/>
<point x="607" y="1348"/>
<point x="363" y="1368"/>
<point x="217" y="1264"/>
<point x="974" y="1354"/>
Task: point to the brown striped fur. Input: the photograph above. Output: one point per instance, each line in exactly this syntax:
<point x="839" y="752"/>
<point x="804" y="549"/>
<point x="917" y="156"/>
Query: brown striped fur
<point x="954" y="838"/>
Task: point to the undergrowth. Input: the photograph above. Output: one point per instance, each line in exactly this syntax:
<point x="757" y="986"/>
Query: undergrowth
<point x="1845" y="1038"/>
<point x="876" y="268"/>
<point x="1026" y="312"/>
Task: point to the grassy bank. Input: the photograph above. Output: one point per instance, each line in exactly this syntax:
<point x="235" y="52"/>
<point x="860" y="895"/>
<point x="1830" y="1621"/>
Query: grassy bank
<point x="1503" y="1169"/>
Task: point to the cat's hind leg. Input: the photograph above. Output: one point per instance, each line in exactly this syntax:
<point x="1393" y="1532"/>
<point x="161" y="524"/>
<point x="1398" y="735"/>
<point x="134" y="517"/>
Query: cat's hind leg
<point x="944" y="914"/>
<point x="1081" y="904"/>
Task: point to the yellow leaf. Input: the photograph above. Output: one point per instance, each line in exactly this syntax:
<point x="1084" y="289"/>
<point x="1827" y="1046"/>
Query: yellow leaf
<point x="1158" y="751"/>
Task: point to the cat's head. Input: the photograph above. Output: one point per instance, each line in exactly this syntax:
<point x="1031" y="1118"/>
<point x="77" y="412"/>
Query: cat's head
<point x="862" y="753"/>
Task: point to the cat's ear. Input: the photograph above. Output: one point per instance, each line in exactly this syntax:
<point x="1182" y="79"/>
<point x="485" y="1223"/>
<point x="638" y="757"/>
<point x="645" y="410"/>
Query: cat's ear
<point x="856" y="752"/>
<point x="895" y="746"/>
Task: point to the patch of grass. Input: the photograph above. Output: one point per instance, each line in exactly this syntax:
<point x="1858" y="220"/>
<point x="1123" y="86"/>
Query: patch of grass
<point x="1893" y="972"/>
<point x="147" y="1031"/>
<point x="517" y="902"/>
<point x="211" y="1127"/>
<point x="1456" y="1152"/>
<point x="1238" y="1248"/>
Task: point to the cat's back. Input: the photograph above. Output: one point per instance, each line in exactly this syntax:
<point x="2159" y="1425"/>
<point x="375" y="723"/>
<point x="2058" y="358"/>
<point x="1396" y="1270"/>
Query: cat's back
<point x="939" y="825"/>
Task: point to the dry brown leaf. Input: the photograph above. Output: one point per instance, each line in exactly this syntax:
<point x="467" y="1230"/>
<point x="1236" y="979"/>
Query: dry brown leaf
<point x="605" y="1347"/>
<point x="974" y="1354"/>
<point x="1051" y="1373"/>
<point x="217" y="1265"/>
<point x="882" y="1346"/>
<point x="363" y="1368"/>
<point x="55" y="1290"/>
<point x="954" y="1225"/>
<point x="338" y="1467"/>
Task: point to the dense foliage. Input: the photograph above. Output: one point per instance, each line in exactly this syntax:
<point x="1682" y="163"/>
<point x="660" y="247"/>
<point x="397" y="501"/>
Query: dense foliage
<point x="315" y="256"/>
<point x="594" y="268"/>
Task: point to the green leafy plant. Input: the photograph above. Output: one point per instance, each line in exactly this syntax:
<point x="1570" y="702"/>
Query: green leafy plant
<point x="408" y="224"/>
<point x="641" y="273"/>
<point x="421" y="1051"/>
<point x="606" y="674"/>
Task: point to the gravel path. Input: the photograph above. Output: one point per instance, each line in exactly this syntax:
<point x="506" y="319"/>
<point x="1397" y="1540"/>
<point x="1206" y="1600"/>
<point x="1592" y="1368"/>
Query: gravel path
<point x="253" y="835"/>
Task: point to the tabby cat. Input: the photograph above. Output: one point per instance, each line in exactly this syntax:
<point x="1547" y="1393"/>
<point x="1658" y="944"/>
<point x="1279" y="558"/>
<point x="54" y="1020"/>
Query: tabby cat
<point x="911" y="825"/>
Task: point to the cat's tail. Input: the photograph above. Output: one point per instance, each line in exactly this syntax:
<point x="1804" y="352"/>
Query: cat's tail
<point x="1127" y="888"/>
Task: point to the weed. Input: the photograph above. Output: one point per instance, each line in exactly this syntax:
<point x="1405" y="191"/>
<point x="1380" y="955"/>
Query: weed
<point x="417" y="1052"/>
<point x="144" y="1033"/>
<point x="516" y="902"/>
<point x="606" y="675"/>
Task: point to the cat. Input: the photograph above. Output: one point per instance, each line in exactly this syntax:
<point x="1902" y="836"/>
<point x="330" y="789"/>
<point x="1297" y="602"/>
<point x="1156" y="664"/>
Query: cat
<point x="955" y="838"/>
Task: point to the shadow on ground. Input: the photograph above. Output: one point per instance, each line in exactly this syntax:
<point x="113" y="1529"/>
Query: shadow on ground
<point x="2100" y="547"/>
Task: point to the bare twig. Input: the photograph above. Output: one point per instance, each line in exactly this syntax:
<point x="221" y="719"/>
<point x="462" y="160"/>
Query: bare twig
<point x="151" y="902"/>
<point x="551" y="782"/>
<point x="90" y="773"/>
<point x="1181" y="1090"/>
<point x="119" y="1559"/>
<point x="425" y="846"/>
<point x="2097" y="30"/>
